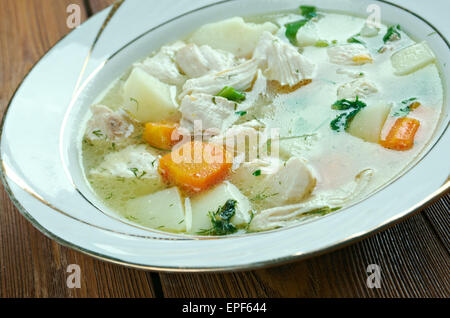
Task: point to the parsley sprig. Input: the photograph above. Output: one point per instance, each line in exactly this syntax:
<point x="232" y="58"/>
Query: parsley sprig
<point x="391" y="31"/>
<point x="350" y="109"/>
<point x="292" y="28"/>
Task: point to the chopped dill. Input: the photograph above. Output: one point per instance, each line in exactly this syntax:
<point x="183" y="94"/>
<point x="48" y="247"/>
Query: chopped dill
<point x="136" y="101"/>
<point x="221" y="220"/>
<point x="262" y="196"/>
<point x="98" y="133"/>
<point x="136" y="172"/>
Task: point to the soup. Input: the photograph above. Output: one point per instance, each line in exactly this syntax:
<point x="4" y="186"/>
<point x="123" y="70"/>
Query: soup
<point x="254" y="124"/>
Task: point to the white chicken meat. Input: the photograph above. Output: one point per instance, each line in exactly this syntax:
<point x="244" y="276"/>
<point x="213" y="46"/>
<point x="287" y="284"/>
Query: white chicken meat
<point x="163" y="66"/>
<point x="281" y="62"/>
<point x="108" y="124"/>
<point x="349" y="54"/>
<point x="196" y="61"/>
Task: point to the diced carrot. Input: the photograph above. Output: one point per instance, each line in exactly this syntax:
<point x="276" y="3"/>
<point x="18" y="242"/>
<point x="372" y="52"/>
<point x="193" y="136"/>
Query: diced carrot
<point x="401" y="136"/>
<point x="162" y="135"/>
<point x="196" y="166"/>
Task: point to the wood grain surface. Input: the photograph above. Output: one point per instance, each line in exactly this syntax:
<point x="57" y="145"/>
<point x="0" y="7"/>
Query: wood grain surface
<point x="413" y="255"/>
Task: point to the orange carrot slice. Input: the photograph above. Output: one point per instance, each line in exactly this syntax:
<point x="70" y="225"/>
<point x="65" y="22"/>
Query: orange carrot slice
<point x="401" y="136"/>
<point x="196" y="166"/>
<point x="162" y="135"/>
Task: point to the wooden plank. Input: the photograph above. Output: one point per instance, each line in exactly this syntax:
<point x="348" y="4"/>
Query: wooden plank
<point x="32" y="265"/>
<point x="412" y="260"/>
<point x="438" y="216"/>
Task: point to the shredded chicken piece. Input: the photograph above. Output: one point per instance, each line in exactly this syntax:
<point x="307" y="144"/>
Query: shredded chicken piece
<point x="162" y="65"/>
<point x="350" y="73"/>
<point x="349" y="54"/>
<point x="286" y="215"/>
<point x="359" y="87"/>
<point x="197" y="61"/>
<point x="213" y="112"/>
<point x="273" y="179"/>
<point x="281" y="61"/>
<point x="108" y="124"/>
<point x="135" y="161"/>
<point x="239" y="77"/>
<point x="243" y="140"/>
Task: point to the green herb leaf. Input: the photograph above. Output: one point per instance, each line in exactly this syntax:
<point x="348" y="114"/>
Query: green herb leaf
<point x="308" y="12"/>
<point x="98" y="133"/>
<point x="292" y="29"/>
<point x="322" y="43"/>
<point x="221" y="220"/>
<point x="350" y="108"/>
<point x="320" y="212"/>
<point x="344" y="104"/>
<point x="136" y="172"/>
<point x="409" y="101"/>
<point x="257" y="173"/>
<point x="262" y="196"/>
<point x="252" y="215"/>
<point x="135" y="100"/>
<point x="241" y="113"/>
<point x="230" y="93"/>
<point x="354" y="39"/>
<point x="392" y="30"/>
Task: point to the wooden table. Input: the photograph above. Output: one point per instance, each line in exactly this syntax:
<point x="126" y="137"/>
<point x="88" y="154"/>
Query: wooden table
<point x="413" y="255"/>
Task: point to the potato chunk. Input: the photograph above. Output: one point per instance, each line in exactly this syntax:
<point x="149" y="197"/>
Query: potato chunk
<point x="148" y="99"/>
<point x="162" y="210"/>
<point x="369" y="122"/>
<point x="232" y="35"/>
<point x="412" y="58"/>
<point x="308" y="34"/>
<point x="210" y="201"/>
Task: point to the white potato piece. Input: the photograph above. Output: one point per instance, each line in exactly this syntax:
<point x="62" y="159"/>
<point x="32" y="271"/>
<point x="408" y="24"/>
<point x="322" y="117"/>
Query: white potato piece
<point x="412" y="58"/>
<point x="369" y="122"/>
<point x="233" y="35"/>
<point x="162" y="210"/>
<point x="213" y="199"/>
<point x="369" y="30"/>
<point x="308" y="34"/>
<point x="148" y="99"/>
